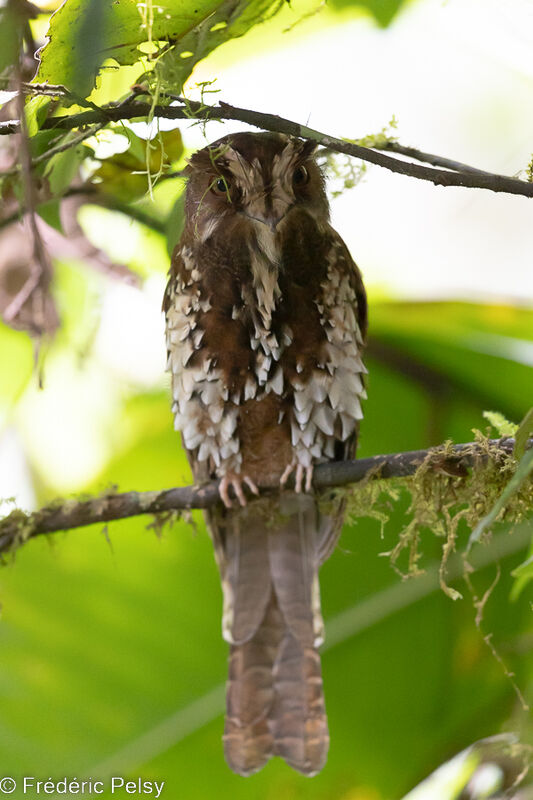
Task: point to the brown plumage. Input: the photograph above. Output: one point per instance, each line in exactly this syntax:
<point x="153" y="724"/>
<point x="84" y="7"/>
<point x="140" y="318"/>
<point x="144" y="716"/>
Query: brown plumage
<point x="266" y="319"/>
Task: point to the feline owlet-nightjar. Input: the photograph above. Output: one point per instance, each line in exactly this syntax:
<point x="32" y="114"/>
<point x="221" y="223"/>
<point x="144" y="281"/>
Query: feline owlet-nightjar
<point x="266" y="321"/>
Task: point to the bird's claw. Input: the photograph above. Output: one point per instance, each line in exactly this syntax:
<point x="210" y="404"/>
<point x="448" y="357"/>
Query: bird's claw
<point x="235" y="481"/>
<point x="298" y="479"/>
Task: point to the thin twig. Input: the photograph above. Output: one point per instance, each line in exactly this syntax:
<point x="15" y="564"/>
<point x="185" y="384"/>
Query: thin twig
<point x="45" y="88"/>
<point x="10" y="127"/>
<point x="18" y="527"/>
<point x="465" y="176"/>
<point x="60" y="148"/>
<point x="430" y="158"/>
<point x="54" y="90"/>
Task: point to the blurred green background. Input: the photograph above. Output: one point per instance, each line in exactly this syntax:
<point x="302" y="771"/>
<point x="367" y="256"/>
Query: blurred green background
<point x="112" y="658"/>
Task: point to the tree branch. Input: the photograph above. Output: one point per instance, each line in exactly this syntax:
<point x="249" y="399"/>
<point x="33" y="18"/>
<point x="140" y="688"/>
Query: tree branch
<point x="18" y="527"/>
<point x="455" y="173"/>
<point x="430" y="158"/>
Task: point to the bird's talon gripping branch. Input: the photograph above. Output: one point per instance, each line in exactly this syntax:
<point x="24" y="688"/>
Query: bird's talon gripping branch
<point x="298" y="481"/>
<point x="251" y="485"/>
<point x="308" y="478"/>
<point x="235" y="481"/>
<point x="286" y="475"/>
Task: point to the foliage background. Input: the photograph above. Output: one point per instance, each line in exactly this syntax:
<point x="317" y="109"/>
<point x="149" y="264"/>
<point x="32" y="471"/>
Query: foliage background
<point x="112" y="659"/>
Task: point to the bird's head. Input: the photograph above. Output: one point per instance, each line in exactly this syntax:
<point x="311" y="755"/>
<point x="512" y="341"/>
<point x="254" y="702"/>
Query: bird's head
<point x="254" y="178"/>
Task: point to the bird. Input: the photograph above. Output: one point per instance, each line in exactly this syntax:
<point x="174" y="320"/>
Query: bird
<point x="266" y="319"/>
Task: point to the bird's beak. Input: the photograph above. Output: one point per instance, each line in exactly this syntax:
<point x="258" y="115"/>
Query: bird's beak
<point x="270" y="220"/>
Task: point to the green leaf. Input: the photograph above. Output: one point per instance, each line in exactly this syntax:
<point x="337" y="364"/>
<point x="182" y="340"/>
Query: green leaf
<point x="50" y="213"/>
<point x="41" y="141"/>
<point x="165" y="148"/>
<point x="90" y="32"/>
<point x="171" y="146"/>
<point x="137" y="147"/>
<point x="499" y="423"/>
<point x="36" y="112"/>
<point x="195" y="29"/>
<point x="525" y="430"/>
<point x="80" y="33"/>
<point x="230" y="20"/>
<point x="123" y="175"/>
<point x="125" y="29"/>
<point x="62" y="168"/>
<point x="458" y="348"/>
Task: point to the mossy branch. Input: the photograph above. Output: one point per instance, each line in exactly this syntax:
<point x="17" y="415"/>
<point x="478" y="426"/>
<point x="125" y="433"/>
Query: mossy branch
<point x="454" y="173"/>
<point x="448" y="460"/>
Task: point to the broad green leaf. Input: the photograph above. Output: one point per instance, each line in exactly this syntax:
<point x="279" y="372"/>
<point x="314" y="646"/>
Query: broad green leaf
<point x="42" y="141"/>
<point x="117" y="178"/>
<point x="137" y="148"/>
<point x="62" y="168"/>
<point x="36" y="110"/>
<point x="170" y="147"/>
<point x="90" y="32"/>
<point x="124" y="175"/>
<point x="128" y="25"/>
<point x="229" y="20"/>
<point x="129" y="30"/>
<point x="461" y="348"/>
<point x="50" y="213"/>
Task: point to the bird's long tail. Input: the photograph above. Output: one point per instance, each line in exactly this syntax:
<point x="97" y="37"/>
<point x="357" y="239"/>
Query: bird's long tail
<point x="275" y="701"/>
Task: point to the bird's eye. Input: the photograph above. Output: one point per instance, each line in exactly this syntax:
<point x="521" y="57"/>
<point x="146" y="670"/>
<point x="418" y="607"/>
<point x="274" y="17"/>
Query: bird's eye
<point x="221" y="186"/>
<point x="300" y="176"/>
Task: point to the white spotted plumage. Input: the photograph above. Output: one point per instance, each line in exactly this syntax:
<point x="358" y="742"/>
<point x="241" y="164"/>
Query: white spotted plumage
<point x="326" y="405"/>
<point x="201" y="411"/>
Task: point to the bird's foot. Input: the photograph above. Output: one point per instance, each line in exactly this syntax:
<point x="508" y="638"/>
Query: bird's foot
<point x="236" y="481"/>
<point x="298" y="479"/>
